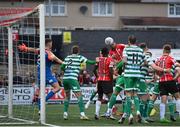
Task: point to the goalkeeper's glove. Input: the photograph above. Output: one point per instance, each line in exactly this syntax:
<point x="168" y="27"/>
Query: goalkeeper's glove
<point x="23" y="48"/>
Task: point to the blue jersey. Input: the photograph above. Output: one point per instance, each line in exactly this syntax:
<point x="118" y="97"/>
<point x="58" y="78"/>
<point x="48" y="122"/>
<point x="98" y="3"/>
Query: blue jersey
<point x="50" y="79"/>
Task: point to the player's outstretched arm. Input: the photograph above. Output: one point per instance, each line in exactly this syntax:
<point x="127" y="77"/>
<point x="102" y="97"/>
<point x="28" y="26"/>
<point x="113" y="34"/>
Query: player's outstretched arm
<point x="177" y="64"/>
<point x="120" y="65"/>
<point x="92" y="62"/>
<point x="56" y="59"/>
<point x="24" y="48"/>
<point x="177" y="74"/>
<point x="63" y="66"/>
<point x="157" y="68"/>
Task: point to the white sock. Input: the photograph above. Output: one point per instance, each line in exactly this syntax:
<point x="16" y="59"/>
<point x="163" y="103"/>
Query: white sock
<point x="98" y="106"/>
<point x="138" y="112"/>
<point x="82" y="114"/>
<point x="162" y="110"/>
<point x="65" y="113"/>
<point x="131" y="116"/>
<point x="124" y="115"/>
<point x="109" y="110"/>
<point x="108" y="104"/>
<point x="178" y="106"/>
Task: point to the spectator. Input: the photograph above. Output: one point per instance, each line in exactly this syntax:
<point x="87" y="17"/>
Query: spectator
<point x="93" y="80"/>
<point x="80" y="79"/>
<point x="86" y="78"/>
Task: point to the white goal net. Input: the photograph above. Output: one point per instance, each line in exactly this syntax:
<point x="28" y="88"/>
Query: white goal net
<point x="18" y="72"/>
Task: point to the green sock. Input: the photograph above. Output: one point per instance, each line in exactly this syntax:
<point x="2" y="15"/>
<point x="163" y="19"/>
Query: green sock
<point x="145" y="115"/>
<point x="171" y="106"/>
<point x="92" y="95"/>
<point x="66" y="105"/>
<point x="150" y="106"/>
<point x="128" y="105"/>
<point x="81" y="104"/>
<point x="124" y="107"/>
<point x="136" y="102"/>
<point x="112" y="100"/>
<point x="141" y="107"/>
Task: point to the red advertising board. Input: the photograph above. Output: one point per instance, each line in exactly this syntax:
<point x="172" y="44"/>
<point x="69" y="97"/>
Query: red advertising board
<point x="59" y="96"/>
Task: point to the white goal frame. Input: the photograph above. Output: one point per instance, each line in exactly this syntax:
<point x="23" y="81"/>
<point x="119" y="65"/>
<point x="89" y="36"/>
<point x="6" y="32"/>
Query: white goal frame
<point x="42" y="72"/>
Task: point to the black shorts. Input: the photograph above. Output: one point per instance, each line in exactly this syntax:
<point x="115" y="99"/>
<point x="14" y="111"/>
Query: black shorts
<point x="178" y="86"/>
<point x="168" y="87"/>
<point x="104" y="87"/>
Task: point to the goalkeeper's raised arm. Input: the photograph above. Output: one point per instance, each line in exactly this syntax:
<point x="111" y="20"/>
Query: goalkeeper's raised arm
<point x="24" y="48"/>
<point x="48" y="47"/>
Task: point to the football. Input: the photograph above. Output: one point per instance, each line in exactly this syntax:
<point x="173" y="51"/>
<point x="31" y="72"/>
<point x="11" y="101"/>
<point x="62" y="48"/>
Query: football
<point x="109" y="40"/>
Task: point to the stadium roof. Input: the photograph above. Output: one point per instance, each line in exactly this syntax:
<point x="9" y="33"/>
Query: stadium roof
<point x="150" y="21"/>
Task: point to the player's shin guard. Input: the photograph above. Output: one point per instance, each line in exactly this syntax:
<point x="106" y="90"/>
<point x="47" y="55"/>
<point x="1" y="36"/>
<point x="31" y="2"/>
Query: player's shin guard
<point x="81" y="104"/>
<point x="50" y="94"/>
<point x="178" y="106"/>
<point x="66" y="105"/>
<point x="150" y="107"/>
<point x="136" y="102"/>
<point x="128" y="105"/>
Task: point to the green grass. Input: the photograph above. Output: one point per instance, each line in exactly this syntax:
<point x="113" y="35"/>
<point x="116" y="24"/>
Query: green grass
<point x="55" y="116"/>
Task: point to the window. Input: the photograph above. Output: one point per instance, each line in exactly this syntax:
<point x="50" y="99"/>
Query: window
<point x="55" y="31"/>
<point x="102" y="9"/>
<point x="58" y="8"/>
<point x="27" y="30"/>
<point x="174" y="10"/>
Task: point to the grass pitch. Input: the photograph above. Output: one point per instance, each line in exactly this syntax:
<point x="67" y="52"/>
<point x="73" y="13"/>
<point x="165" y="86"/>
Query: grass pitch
<point x="54" y="115"/>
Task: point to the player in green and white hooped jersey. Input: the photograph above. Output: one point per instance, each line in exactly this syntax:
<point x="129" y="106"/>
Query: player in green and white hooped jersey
<point x="142" y="85"/>
<point x="133" y="57"/>
<point x="71" y="66"/>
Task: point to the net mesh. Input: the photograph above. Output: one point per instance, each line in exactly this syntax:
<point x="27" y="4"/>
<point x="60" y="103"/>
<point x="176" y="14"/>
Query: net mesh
<point x="25" y="29"/>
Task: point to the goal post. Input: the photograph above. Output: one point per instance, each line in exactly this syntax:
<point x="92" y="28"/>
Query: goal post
<point x="42" y="66"/>
<point x="18" y="72"/>
<point x="10" y="73"/>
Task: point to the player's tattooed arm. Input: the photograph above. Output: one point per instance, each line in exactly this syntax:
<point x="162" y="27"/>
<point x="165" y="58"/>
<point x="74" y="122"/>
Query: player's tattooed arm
<point x="57" y="60"/>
